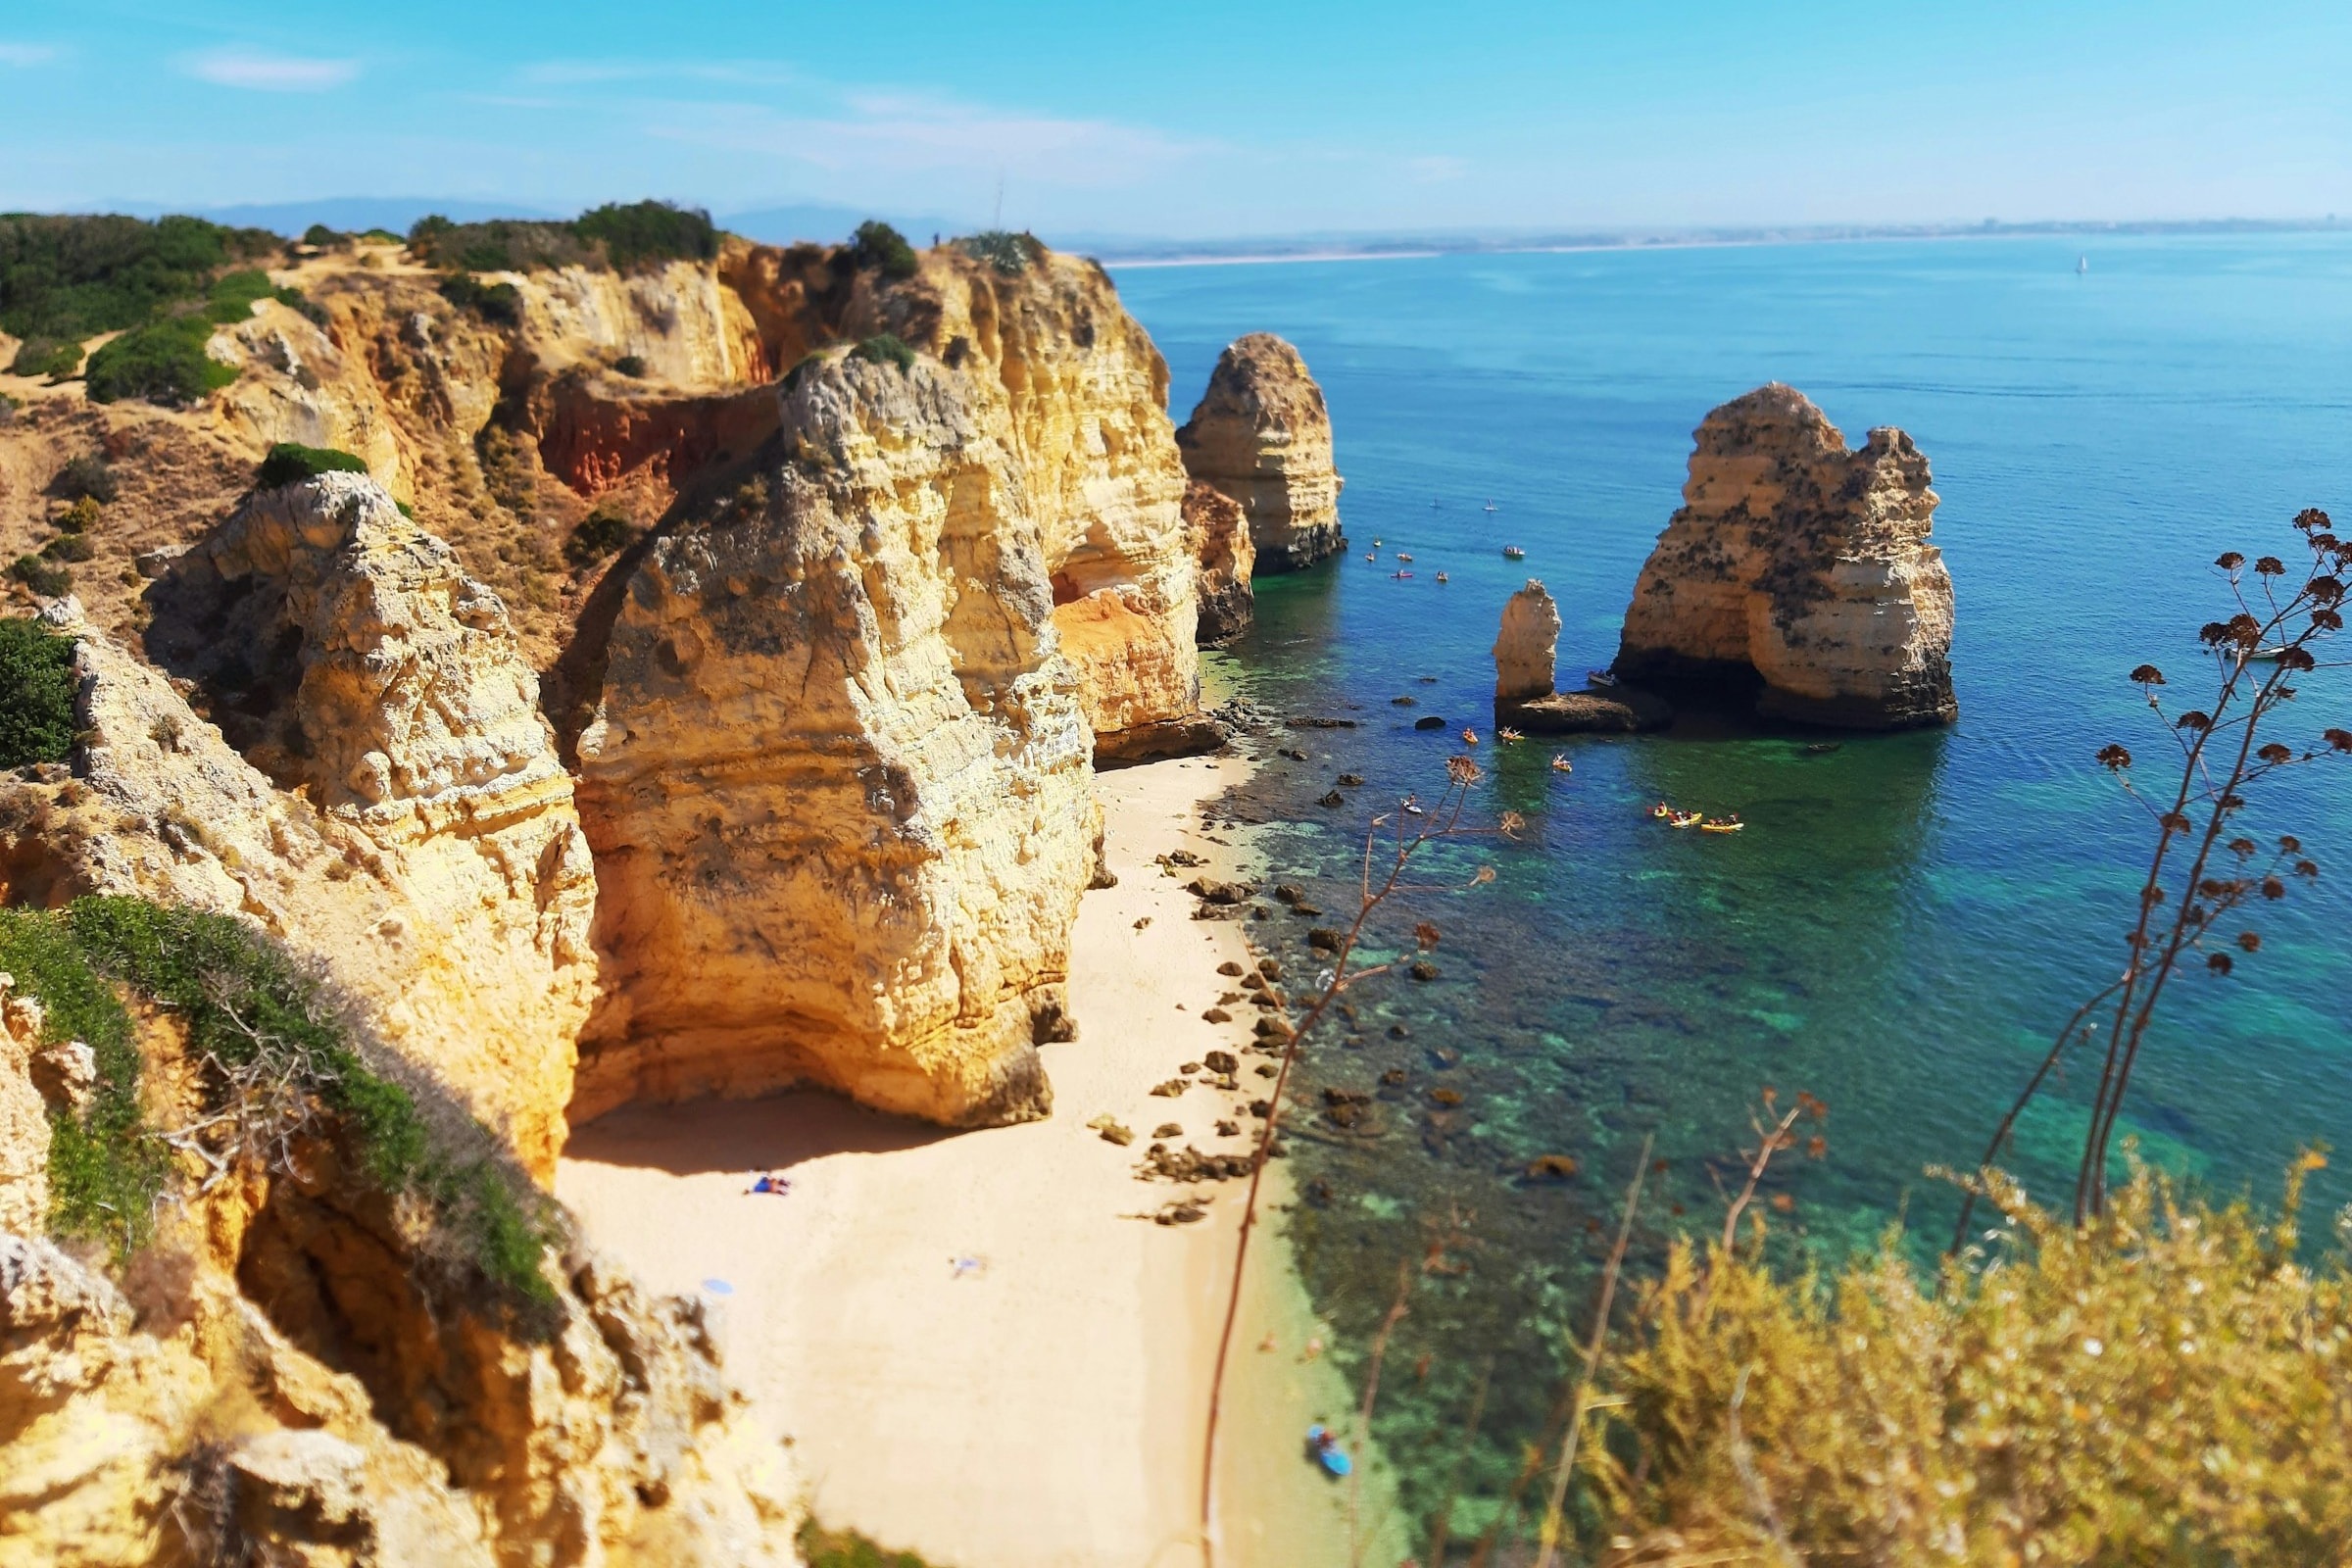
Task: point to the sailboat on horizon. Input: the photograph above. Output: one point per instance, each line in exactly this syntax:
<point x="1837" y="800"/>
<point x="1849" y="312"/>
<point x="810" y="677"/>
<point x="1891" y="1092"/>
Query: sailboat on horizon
<point x="2081" y="266"/>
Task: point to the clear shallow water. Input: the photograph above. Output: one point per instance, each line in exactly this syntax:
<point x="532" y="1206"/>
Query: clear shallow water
<point x="1906" y="919"/>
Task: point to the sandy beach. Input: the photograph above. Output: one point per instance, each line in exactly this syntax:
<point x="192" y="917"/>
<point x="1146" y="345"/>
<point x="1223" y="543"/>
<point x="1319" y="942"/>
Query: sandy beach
<point x="980" y="1344"/>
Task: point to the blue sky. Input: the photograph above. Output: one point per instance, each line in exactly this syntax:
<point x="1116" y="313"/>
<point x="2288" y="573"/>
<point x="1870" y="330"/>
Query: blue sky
<point x="1198" y="119"/>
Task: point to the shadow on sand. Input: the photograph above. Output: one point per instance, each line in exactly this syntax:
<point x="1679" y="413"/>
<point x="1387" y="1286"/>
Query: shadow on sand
<point x="744" y="1135"/>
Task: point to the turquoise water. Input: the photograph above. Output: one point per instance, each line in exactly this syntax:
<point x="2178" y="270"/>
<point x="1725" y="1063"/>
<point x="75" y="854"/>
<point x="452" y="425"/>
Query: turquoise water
<point x="1907" y="918"/>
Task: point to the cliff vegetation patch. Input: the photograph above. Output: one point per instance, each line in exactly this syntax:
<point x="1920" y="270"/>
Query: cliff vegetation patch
<point x="620" y="236"/>
<point x="282" y="1069"/>
<point x="291" y="462"/>
<point x="878" y="245"/>
<point x="886" y="348"/>
<point x="1008" y="253"/>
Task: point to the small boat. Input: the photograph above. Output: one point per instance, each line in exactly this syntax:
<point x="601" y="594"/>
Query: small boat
<point x="2267" y="655"/>
<point x="1824" y="747"/>
<point x="2081" y="266"/>
<point x="1513" y="553"/>
<point x="1722" y="824"/>
<point x="1435" y="504"/>
<point x="1599" y="677"/>
<point x="1661" y="810"/>
<point x="1681" y="819"/>
<point x="1376" y="544"/>
<point x="1469" y="737"/>
<point x="1441" y="577"/>
<point x="1508" y="736"/>
<point x="1373" y="555"/>
<point x="1401" y="574"/>
<point x="1402" y="555"/>
<point x="1561" y="764"/>
<point x="1492" y="507"/>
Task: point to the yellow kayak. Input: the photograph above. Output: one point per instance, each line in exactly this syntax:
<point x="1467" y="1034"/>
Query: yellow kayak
<point x="1734" y="825"/>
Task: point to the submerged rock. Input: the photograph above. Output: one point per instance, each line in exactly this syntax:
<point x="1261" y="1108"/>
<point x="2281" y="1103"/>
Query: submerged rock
<point x="1799" y="570"/>
<point x="1261" y="435"/>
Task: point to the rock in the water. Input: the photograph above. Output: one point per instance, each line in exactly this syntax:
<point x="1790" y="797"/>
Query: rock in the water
<point x="1526" y="647"/>
<point x="1802" y="568"/>
<point x="1429" y="721"/>
<point x="1597" y="710"/>
<point x="1262" y="436"/>
<point x="1219" y="532"/>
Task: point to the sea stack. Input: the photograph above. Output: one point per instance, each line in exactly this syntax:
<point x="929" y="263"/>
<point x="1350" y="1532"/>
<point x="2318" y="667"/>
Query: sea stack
<point x="1219" y="532"/>
<point x="1799" y="570"/>
<point x="1261" y="435"/>
<point x="1526" y="650"/>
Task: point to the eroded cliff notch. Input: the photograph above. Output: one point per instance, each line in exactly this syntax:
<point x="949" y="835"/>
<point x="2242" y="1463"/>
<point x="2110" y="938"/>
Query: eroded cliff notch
<point x="1261" y="435"/>
<point x="1802" y="570"/>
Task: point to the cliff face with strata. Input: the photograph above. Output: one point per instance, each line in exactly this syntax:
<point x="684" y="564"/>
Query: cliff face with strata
<point x="1261" y="435"/>
<point x="1801" y="566"/>
<point x="1219" y="532"/>
<point x="837" y="777"/>
<point x="1075" y="393"/>
<point x="270" y="1382"/>
<point x="385" y="784"/>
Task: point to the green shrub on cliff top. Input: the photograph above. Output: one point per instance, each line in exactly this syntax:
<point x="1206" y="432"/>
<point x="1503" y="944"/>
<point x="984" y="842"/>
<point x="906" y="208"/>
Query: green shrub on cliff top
<point x="624" y="235"/>
<point x="885" y="348"/>
<point x="36" y="693"/>
<point x="291" y="462"/>
<point x="69" y="278"/>
<point x="1008" y="253"/>
<point x="878" y="245"/>
<point x="42" y="356"/>
<point x="163" y="362"/>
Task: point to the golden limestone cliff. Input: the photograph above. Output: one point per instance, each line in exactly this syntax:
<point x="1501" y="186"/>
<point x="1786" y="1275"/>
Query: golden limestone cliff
<point x="1073" y="389"/>
<point x="1801" y="566"/>
<point x="391" y="789"/>
<point x="1261" y="435"/>
<point x="278" y="1377"/>
<point x="837" y="778"/>
<point x="1220" y="541"/>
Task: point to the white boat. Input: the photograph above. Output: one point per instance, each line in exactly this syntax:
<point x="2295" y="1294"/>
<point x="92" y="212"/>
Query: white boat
<point x="1513" y="553"/>
<point x="2082" y="264"/>
<point x="1492" y="507"/>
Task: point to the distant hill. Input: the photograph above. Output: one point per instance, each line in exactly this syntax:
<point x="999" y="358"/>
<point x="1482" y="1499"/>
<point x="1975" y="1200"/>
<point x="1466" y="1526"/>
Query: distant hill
<point x="825" y="220"/>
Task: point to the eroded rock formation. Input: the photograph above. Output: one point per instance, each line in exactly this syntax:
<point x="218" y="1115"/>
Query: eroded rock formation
<point x="1800" y="567"/>
<point x="1221" y="544"/>
<point x="392" y="791"/>
<point x="271" y="1372"/>
<point x="1073" y="390"/>
<point x="1261" y="435"/>
<point x="1527" y="645"/>
<point x="1526" y="651"/>
<point x="837" y="778"/>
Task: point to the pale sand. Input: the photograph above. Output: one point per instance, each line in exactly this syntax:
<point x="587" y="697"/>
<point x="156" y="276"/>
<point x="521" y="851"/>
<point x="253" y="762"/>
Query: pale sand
<point x="1044" y="1410"/>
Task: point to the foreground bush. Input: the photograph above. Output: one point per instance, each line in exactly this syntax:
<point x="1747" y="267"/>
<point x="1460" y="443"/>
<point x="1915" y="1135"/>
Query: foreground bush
<point x="2166" y="1386"/>
<point x="1008" y="253"/>
<point x="878" y="245"/>
<point x="624" y="235"/>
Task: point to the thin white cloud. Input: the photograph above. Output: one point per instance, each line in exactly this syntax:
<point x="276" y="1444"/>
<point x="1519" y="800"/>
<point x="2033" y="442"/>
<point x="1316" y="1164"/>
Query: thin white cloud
<point x="586" y="72"/>
<point x="902" y="132"/>
<point x="27" y="54"/>
<point x="258" y="70"/>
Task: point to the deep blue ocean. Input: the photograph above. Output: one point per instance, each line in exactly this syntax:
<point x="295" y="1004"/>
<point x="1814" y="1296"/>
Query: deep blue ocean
<point x="1907" y="918"/>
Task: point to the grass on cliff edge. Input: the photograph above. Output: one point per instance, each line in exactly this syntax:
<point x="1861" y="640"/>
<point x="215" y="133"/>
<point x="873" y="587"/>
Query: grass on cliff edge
<point x="256" y="1015"/>
<point x="2167" y="1384"/>
<point x="847" y="1549"/>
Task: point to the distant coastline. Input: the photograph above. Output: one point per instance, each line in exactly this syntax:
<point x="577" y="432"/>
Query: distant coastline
<point x="1334" y="248"/>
